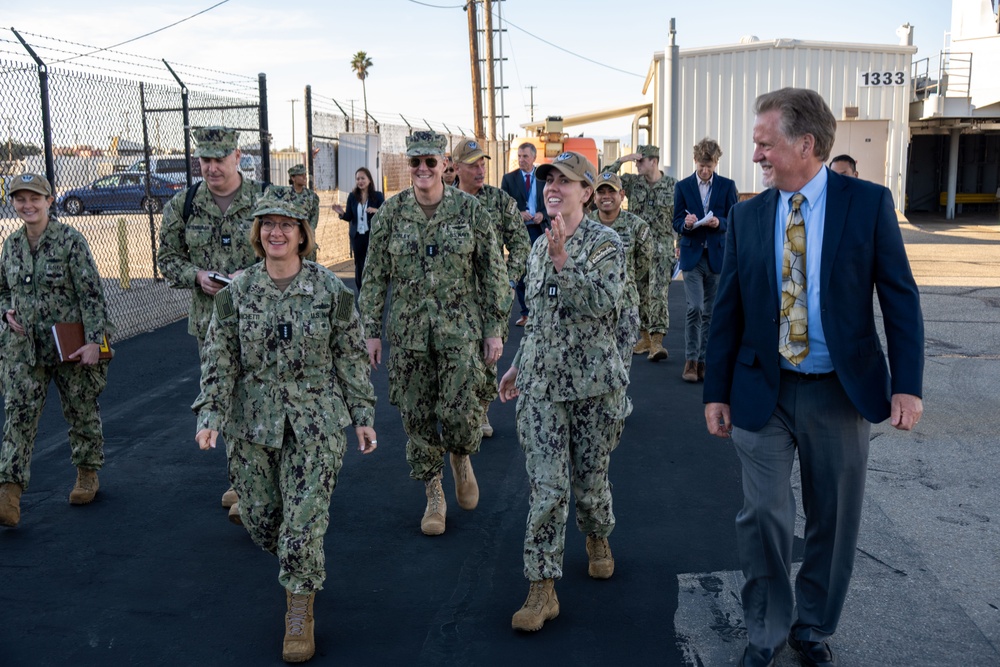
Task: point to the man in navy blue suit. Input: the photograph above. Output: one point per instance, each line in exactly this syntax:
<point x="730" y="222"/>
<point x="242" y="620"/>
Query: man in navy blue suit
<point x="702" y="238"/>
<point x="527" y="192"/>
<point x="795" y="363"/>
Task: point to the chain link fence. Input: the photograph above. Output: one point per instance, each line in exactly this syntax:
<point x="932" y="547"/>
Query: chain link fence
<point x="112" y="134"/>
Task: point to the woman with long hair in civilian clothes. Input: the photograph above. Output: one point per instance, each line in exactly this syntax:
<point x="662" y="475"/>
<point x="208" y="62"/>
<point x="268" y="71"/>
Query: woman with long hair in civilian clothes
<point x="285" y="370"/>
<point x="362" y="203"/>
<point x="569" y="381"/>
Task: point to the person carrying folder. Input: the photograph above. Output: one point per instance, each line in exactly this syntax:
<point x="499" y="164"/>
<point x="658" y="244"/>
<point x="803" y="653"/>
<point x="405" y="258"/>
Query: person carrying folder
<point x="47" y="276"/>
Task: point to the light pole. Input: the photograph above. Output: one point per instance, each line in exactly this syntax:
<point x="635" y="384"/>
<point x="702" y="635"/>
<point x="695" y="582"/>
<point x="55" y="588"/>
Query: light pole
<point x="293" y="124"/>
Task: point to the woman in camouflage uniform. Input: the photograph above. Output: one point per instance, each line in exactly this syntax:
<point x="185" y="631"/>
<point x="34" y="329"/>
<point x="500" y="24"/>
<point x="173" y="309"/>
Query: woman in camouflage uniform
<point x="570" y="382"/>
<point x="284" y="371"/>
<point x="47" y="275"/>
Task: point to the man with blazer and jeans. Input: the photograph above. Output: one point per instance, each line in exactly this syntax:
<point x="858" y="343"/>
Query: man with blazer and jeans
<point x="521" y="185"/>
<point x="795" y="363"/>
<point x="701" y="244"/>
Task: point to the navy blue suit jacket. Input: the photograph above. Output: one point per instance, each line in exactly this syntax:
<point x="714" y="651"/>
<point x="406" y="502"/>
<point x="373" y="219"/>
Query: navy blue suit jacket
<point x="862" y="250"/>
<point x="375" y="200"/>
<point x="687" y="197"/>
<point x="513" y="184"/>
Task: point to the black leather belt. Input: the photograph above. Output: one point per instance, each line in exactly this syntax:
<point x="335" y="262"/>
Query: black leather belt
<point x="807" y="377"/>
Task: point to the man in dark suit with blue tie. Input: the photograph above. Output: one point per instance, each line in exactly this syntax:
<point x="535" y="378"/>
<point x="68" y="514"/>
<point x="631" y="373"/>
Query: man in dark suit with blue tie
<point x="522" y="186"/>
<point x="702" y="238"/>
<point x="795" y="363"/>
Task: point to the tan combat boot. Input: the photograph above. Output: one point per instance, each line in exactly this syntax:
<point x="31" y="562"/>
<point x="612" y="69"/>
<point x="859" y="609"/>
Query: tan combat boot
<point x="229" y="498"/>
<point x="642" y="347"/>
<point x="299" y="644"/>
<point x="602" y="563"/>
<point x="656" y="349"/>
<point x="433" y="521"/>
<point x="85" y="488"/>
<point x="542" y="605"/>
<point x="466" y="487"/>
<point x="485" y="424"/>
<point x="690" y="373"/>
<point x="10" y="504"/>
<point x="234" y="514"/>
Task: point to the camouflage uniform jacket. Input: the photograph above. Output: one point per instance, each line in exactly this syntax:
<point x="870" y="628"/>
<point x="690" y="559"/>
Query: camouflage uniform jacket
<point x="448" y="278"/>
<point x="653" y="203"/>
<point x="509" y="228"/>
<point x="59" y="282"/>
<point x="638" y="245"/>
<point x="273" y="356"/>
<point x="309" y="201"/>
<point x="568" y="351"/>
<point x="208" y="241"/>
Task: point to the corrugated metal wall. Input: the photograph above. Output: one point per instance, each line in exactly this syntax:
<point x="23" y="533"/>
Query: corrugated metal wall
<point x="718" y="87"/>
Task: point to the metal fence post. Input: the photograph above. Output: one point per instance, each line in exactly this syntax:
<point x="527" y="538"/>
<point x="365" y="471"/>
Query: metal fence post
<point x="265" y="135"/>
<point x="123" y="273"/>
<point x="43" y="85"/>
<point x="309" y="135"/>
<point x="186" y="113"/>
<point x="149" y="194"/>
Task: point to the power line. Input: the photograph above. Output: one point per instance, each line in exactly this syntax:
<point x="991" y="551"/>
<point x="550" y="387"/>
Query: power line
<point x="127" y="41"/>
<point x="425" y="4"/>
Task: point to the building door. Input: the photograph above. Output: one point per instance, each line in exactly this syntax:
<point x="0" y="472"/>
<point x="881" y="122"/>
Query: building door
<point x="867" y="141"/>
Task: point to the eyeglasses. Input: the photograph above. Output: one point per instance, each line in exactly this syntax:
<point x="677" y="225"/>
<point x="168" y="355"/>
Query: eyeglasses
<point x="431" y="162"/>
<point x="285" y="227"/>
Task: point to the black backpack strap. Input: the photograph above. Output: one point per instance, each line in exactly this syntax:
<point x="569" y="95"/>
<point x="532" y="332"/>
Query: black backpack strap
<point x="189" y="200"/>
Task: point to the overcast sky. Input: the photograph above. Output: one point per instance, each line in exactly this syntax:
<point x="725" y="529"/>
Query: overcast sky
<point x="421" y="52"/>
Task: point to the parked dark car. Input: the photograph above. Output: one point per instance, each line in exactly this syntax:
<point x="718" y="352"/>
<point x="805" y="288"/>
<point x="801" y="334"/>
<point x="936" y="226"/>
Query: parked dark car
<point x="119" y="192"/>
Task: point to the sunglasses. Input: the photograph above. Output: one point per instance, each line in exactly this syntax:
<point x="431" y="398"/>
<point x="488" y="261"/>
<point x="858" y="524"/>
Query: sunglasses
<point x="431" y="162"/>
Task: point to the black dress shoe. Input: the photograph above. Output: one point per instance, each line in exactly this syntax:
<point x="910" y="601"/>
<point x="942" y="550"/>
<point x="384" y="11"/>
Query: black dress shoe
<point x="813" y="654"/>
<point x="751" y="659"/>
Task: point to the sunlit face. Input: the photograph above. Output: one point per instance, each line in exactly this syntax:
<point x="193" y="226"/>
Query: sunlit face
<point x="647" y="166"/>
<point x="525" y="159"/>
<point x="221" y="174"/>
<point x="299" y="181"/>
<point x="705" y="169"/>
<point x="843" y="167"/>
<point x="608" y="199"/>
<point x="280" y="236"/>
<point x="32" y="207"/>
<point x="564" y="195"/>
<point x="361" y="180"/>
<point x="472" y="176"/>
<point x="778" y="157"/>
<point x="425" y="173"/>
<point x="449" y="172"/>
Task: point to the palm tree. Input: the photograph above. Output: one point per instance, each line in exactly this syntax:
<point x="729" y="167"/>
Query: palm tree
<point x="360" y="64"/>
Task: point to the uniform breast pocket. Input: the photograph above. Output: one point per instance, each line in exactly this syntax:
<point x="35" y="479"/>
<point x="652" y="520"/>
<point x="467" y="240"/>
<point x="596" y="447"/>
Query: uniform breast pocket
<point x="56" y="274"/>
<point x="255" y="341"/>
<point x="665" y="199"/>
<point x="458" y="241"/>
<point x="198" y="236"/>
<point x="316" y="341"/>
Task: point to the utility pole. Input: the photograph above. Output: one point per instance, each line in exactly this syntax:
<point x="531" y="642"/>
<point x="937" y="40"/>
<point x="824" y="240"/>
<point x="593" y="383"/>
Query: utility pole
<point x="293" y="101"/>
<point x="352" y="114"/>
<point x="491" y="93"/>
<point x="477" y="84"/>
<point x="531" y="107"/>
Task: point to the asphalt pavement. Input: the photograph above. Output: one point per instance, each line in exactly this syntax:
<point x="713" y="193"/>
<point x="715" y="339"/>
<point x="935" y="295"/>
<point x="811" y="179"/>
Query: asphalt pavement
<point x="152" y="573"/>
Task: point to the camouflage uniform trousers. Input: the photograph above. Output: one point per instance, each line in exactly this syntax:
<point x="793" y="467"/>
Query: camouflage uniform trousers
<point x="285" y="501"/>
<point x="26" y="390"/>
<point x="567" y="445"/>
<point x="626" y="336"/>
<point x="429" y="386"/>
<point x="654" y="308"/>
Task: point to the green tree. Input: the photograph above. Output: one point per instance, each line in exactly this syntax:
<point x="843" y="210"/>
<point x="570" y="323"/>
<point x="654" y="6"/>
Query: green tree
<point x="360" y="64"/>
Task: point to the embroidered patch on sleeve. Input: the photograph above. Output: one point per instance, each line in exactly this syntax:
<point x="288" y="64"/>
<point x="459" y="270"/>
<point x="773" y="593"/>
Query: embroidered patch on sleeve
<point x="224" y="307"/>
<point x="602" y="253"/>
<point x="345" y="303"/>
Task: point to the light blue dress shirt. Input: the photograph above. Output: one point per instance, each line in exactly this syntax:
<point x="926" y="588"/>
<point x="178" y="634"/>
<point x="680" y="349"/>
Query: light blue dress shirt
<point x="532" y="192"/>
<point x="814" y="213"/>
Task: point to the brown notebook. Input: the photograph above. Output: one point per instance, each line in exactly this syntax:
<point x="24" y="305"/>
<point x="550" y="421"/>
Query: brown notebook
<point x="69" y="339"/>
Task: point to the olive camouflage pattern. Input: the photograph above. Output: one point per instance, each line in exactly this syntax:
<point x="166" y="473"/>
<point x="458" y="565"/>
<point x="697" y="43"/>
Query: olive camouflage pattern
<point x="568" y="350"/>
<point x="209" y="240"/>
<point x="283" y="373"/>
<point x="572" y="383"/>
<point x="654" y="204"/>
<point x="449" y="287"/>
<point x="511" y="232"/>
<point x="57" y="283"/>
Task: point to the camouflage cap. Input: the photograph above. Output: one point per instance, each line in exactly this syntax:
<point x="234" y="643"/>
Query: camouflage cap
<point x="425" y="142"/>
<point x="32" y="182"/>
<point x="572" y="165"/>
<point x="214" y="141"/>
<point x="611" y="179"/>
<point x="468" y="151"/>
<point x="297" y="170"/>
<point x="649" y="151"/>
<point x="279" y="200"/>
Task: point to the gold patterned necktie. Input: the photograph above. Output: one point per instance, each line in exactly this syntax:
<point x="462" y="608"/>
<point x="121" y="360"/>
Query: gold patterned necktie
<point x="794" y="326"/>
